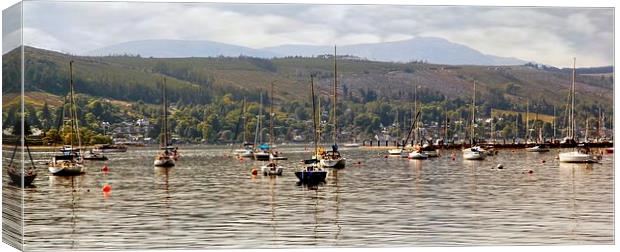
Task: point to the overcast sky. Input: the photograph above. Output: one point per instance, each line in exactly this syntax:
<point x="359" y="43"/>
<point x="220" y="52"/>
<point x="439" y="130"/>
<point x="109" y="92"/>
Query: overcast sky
<point x="546" y="35"/>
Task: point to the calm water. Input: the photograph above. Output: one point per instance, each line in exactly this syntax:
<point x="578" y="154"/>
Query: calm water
<point x="209" y="200"/>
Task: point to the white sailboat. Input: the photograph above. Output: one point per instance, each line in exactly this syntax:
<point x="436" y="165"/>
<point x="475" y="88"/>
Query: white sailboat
<point x="261" y="152"/>
<point x="333" y="158"/>
<point x="272" y="167"/>
<point x="70" y="163"/>
<point x="168" y="154"/>
<point x="581" y="154"/>
<point x="246" y="150"/>
<point x="474" y="152"/>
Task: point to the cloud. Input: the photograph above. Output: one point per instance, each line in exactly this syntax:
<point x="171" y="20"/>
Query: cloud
<point x="550" y="35"/>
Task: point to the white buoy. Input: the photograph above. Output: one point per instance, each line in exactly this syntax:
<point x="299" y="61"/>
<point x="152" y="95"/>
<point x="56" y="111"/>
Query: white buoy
<point x="500" y="166"/>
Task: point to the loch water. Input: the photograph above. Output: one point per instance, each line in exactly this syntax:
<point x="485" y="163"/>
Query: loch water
<point x="211" y="200"/>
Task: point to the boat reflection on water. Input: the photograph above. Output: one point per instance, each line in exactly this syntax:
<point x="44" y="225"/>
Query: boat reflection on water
<point x="572" y="177"/>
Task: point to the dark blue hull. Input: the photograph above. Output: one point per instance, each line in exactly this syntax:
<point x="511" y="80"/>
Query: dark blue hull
<point x="311" y="177"/>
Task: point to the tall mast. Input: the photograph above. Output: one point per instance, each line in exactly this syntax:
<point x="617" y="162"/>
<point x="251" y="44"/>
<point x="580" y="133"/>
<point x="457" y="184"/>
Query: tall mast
<point x="527" y="121"/>
<point x="335" y="95"/>
<point x="245" y="121"/>
<point x="572" y="107"/>
<point x="165" y="110"/>
<point x="271" y="118"/>
<point x="313" y="115"/>
<point x="260" y="115"/>
<point x="71" y="101"/>
<point x="553" y="122"/>
<point x="473" y="115"/>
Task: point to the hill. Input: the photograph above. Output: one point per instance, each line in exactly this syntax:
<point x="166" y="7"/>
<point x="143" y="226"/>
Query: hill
<point x="428" y="49"/>
<point x="197" y="80"/>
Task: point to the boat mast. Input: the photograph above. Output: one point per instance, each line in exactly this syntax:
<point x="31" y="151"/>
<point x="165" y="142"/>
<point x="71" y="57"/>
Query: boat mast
<point x="553" y="122"/>
<point x="527" y="121"/>
<point x="165" y="111"/>
<point x="245" y="122"/>
<point x="473" y="115"/>
<point x="572" y="107"/>
<point x="314" y="115"/>
<point x="73" y="110"/>
<point x="335" y="136"/>
<point x="271" y="119"/>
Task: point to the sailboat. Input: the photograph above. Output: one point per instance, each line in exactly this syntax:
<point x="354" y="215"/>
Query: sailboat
<point x="333" y="158"/>
<point x="473" y="152"/>
<point x="582" y="154"/>
<point x="312" y="171"/>
<point x="246" y="148"/>
<point x="167" y="156"/>
<point x="538" y="147"/>
<point x="70" y="162"/>
<point x="26" y="175"/>
<point x="272" y="167"/>
<point x="261" y="152"/>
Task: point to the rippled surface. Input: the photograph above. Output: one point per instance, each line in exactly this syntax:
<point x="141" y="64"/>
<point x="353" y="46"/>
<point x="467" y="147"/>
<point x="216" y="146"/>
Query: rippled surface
<point x="209" y="200"/>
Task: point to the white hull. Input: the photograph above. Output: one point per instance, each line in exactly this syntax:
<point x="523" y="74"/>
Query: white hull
<point x="417" y="155"/>
<point x="468" y="154"/>
<point x="395" y="152"/>
<point x="536" y="149"/>
<point x="268" y="170"/>
<point x="244" y="153"/>
<point x="334" y="163"/>
<point x="352" y="145"/>
<point x="576" y="157"/>
<point x="164" y="162"/>
<point x="66" y="170"/>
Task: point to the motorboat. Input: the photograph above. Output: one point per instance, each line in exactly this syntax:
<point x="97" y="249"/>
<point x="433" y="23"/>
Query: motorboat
<point x="395" y="152"/>
<point x="417" y="154"/>
<point x="538" y="148"/>
<point x="95" y="156"/>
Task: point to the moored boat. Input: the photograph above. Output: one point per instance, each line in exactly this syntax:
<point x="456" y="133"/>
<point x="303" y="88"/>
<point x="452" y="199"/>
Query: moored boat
<point x="272" y="168"/>
<point x="538" y="148"/>
<point x="417" y="154"/>
<point x="474" y="153"/>
<point x="581" y="155"/>
<point x="108" y="148"/>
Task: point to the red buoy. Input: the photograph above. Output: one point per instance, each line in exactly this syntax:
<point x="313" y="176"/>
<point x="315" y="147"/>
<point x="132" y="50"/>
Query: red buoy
<point x="530" y="172"/>
<point x="386" y="156"/>
<point x="106" y="188"/>
<point x="254" y="171"/>
<point x="543" y="161"/>
<point x="105" y="168"/>
<point x="453" y="158"/>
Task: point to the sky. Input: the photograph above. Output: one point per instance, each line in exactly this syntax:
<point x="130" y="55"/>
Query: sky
<point x="548" y="35"/>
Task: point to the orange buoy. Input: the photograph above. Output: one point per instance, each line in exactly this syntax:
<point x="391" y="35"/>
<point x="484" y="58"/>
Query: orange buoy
<point x="254" y="171"/>
<point x="106" y="188"/>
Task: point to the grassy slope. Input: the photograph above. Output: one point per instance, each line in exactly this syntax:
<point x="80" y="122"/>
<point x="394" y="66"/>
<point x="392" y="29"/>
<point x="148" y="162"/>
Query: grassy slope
<point x="292" y="77"/>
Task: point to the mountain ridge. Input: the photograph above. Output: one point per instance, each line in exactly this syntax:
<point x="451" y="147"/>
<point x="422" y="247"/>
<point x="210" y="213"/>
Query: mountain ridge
<point x="428" y="49"/>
